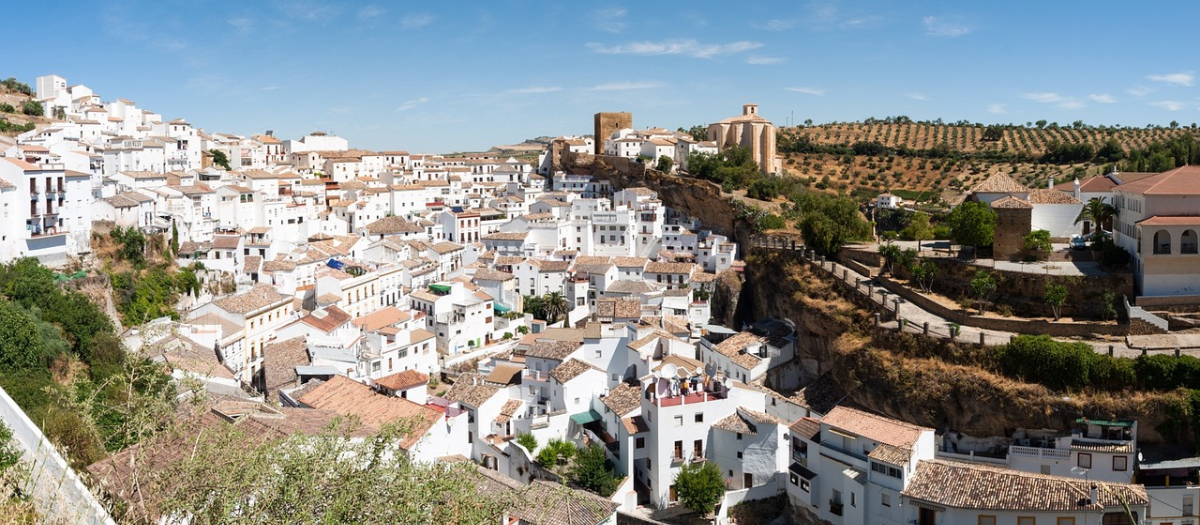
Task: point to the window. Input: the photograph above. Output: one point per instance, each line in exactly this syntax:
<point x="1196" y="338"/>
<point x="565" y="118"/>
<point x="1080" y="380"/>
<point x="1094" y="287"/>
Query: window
<point x="1026" y="520"/>
<point x="679" y="421"/>
<point x="1120" y="463"/>
<point x="641" y="442"/>
<point x="886" y="500"/>
<point x="699" y="417"/>
<point x="739" y="454"/>
<point x="1065" y="521"/>
<point x="698" y="448"/>
<point x="678" y="449"/>
<point x="804" y="485"/>
<point x="1085" y="460"/>
<point x="986" y="520"/>
<point x="852" y="499"/>
<point x="739" y="436"/>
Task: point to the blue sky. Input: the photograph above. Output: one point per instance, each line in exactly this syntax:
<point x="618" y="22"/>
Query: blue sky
<point x="461" y="76"/>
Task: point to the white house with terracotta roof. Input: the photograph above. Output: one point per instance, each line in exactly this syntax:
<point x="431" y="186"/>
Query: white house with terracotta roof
<point x="1053" y="210"/>
<point x="460" y="317"/>
<point x="247" y="322"/>
<point x="46" y="210"/>
<point x="1157" y="222"/>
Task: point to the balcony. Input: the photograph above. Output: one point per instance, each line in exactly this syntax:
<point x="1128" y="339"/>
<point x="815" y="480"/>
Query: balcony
<point x="535" y="375"/>
<point x="690" y="398"/>
<point x="835" y="508"/>
<point x="1038" y="452"/>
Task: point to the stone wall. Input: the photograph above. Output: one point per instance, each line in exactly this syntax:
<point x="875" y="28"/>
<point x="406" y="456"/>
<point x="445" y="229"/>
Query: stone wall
<point x="1011" y="226"/>
<point x="1025" y="292"/>
<point x="606" y="123"/>
<point x="1020" y="326"/>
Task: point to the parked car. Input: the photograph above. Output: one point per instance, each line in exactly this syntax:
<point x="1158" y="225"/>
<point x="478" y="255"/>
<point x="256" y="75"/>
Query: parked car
<point x="1078" y="242"/>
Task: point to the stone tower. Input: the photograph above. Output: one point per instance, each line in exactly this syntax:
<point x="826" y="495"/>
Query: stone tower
<point x="606" y="124"/>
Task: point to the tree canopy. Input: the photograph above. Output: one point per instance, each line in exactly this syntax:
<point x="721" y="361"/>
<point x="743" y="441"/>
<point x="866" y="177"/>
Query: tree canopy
<point x="828" y="223"/>
<point x="972" y="223"/>
<point x="700" y="486"/>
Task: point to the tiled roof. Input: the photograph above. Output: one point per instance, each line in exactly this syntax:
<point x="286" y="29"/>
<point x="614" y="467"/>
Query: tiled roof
<point x="619" y="308"/>
<point x="544" y="503"/>
<point x="252" y="264"/>
<point x="635" y="425"/>
<point x="506" y="236"/>
<point x="392" y="225"/>
<point x="327" y="319"/>
<point x="806" y="427"/>
<point x="872" y="426"/>
<point x="548" y="266"/>
<point x="280" y="360"/>
<point x="734" y="423"/>
<point x="623" y="399"/>
<point x="569" y="370"/>
<point x="445" y="247"/>
<point x="488" y="274"/>
<point x="1044" y="196"/>
<point x="471" y="390"/>
<point x="1000" y="183"/>
<point x="629" y="287"/>
<point x="670" y="267"/>
<point x="386" y="316"/>
<point x="348" y="397"/>
<point x="980" y="487"/>
<point x="226" y="242"/>
<point x="508" y="410"/>
<point x="1184" y="180"/>
<point x="403" y="380"/>
<point x="186" y="354"/>
<point x="258" y="297"/>
<point x="733" y="346"/>
<point x="505" y="374"/>
<point x="556" y="350"/>
<point x="1012" y="203"/>
<point x="892" y="455"/>
<point x="1176" y="220"/>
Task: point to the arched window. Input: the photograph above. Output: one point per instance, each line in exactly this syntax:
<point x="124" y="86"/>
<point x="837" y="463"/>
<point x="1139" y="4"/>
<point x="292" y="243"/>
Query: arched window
<point x="1162" y="242"/>
<point x="1187" y="242"/>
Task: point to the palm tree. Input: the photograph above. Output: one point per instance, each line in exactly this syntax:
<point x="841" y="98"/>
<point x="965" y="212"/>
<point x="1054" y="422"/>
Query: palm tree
<point x="1097" y="212"/>
<point x="554" y="305"/>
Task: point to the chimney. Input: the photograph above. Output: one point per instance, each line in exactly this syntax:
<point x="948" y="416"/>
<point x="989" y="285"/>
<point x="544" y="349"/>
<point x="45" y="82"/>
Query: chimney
<point x="1076" y="187"/>
<point x="1051" y="186"/>
<point x="1095" y="495"/>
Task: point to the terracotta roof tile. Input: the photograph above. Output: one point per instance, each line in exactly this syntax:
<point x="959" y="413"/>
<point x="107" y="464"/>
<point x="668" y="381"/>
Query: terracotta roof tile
<point x="470" y="389"/>
<point x="872" y="426"/>
<point x="623" y="399"/>
<point x="993" y="488"/>
<point x="348" y="397"/>
<point x="403" y="380"/>
<point x="1000" y="183"/>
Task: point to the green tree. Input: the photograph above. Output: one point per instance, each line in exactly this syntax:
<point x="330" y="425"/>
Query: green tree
<point x="1098" y="212"/>
<point x="592" y="470"/>
<point x="924" y="272"/>
<point x="6" y="107"/>
<point x="972" y="224"/>
<point x="220" y="159"/>
<point x="1056" y="297"/>
<point x="698" y="132"/>
<point x="555" y="306"/>
<point x="918" y="229"/>
<point x="891" y="256"/>
<point x="534" y="305"/>
<point x="993" y="133"/>
<point x="32" y="108"/>
<point x="982" y="286"/>
<point x="665" y="163"/>
<point x="770" y="221"/>
<point x="828" y="223"/>
<point x="1037" y="243"/>
<point x="21" y="344"/>
<point x="555" y="453"/>
<point x="174" y="239"/>
<point x="700" y="486"/>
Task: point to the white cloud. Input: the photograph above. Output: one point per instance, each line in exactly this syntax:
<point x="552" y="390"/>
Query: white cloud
<point x="535" y="89"/>
<point x="1183" y="78"/>
<point x="687" y="47"/>
<point x="243" y="25"/>
<point x="807" y="91"/>
<point x="416" y="21"/>
<point x="271" y="88"/>
<point x="370" y="11"/>
<point x="626" y="86"/>
<point x="938" y="26"/>
<point x="1103" y="98"/>
<point x="1139" y="91"/>
<point x="1043" y="97"/>
<point x="1071" y="103"/>
<point x="997" y="109"/>
<point x="1169" y="105"/>
<point x="779" y="24"/>
<point x="765" y="61"/>
<point x="917" y="96"/>
<point x="610" y="20"/>
<point x="410" y="104"/>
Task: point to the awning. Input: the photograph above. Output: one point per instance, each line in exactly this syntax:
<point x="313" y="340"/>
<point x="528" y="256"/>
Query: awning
<point x="501" y="308"/>
<point x="440" y="288"/>
<point x="1104" y="422"/>
<point x="584" y="418"/>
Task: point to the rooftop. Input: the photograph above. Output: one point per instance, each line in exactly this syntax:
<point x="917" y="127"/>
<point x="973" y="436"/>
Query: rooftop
<point x="974" y="486"/>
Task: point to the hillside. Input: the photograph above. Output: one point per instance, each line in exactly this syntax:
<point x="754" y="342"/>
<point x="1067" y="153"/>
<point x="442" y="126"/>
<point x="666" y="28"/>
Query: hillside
<point x="13" y="97"/>
<point x="871" y="157"/>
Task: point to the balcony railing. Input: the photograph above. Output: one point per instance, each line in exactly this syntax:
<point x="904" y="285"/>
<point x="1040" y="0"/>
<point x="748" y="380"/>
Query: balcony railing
<point x="1049" y="453"/>
<point x="535" y="375"/>
<point x="835" y="508"/>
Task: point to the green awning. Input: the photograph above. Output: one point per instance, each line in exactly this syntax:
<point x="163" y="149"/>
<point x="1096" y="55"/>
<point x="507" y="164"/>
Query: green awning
<point x="1104" y="422"/>
<point x="584" y="418"/>
<point x="501" y="308"/>
<point x="440" y="288"/>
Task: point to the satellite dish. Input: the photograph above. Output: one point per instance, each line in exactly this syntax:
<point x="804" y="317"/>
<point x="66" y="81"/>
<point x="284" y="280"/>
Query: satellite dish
<point x="1079" y="471"/>
<point x="668" y="371"/>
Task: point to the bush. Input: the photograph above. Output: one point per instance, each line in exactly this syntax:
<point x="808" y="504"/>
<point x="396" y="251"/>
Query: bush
<point x="1037" y="242"/>
<point x="771" y="221"/>
<point x="6" y="107"/>
<point x="528" y="441"/>
<point x="1041" y="359"/>
<point x="32" y="108"/>
<point x="556" y="452"/>
<point x="593" y="471"/>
